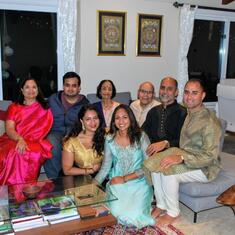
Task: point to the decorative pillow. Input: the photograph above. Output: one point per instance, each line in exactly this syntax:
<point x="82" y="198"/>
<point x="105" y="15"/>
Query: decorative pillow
<point x="3" y="115"/>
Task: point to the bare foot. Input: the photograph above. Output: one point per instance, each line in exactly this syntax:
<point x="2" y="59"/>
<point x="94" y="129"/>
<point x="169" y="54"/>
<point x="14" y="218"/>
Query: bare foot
<point x="165" y="220"/>
<point x="156" y="212"/>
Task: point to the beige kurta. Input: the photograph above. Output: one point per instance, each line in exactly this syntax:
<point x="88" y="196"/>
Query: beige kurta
<point x="141" y="112"/>
<point x="199" y="145"/>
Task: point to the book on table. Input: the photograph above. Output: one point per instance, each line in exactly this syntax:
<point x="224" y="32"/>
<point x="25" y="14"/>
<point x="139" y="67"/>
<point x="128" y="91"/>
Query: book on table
<point x="58" y="209"/>
<point x="5" y="224"/>
<point x="26" y="215"/>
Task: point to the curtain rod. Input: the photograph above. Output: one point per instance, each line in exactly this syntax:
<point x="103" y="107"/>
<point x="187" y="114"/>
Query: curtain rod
<point x="177" y="5"/>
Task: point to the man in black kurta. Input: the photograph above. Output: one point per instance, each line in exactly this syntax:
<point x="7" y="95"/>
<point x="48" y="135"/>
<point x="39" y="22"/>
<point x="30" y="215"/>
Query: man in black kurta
<point x="164" y="122"/>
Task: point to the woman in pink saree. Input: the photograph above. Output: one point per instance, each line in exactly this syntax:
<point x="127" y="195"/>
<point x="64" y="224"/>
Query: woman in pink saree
<point x="23" y="148"/>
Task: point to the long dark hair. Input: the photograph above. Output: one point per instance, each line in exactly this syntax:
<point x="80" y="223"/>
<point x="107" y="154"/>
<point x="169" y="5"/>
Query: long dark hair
<point x="134" y="131"/>
<point x="98" y="138"/>
<point x="40" y="98"/>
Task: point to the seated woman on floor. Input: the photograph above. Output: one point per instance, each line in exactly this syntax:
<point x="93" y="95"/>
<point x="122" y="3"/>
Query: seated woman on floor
<point x="23" y="148"/>
<point x="84" y="145"/>
<point x="125" y="151"/>
<point x="106" y="91"/>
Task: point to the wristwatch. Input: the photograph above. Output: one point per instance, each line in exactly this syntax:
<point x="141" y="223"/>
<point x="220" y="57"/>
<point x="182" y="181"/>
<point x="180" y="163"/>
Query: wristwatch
<point x="182" y="158"/>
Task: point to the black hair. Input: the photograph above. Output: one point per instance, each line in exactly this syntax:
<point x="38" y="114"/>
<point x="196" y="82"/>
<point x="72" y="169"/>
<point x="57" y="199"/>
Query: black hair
<point x="100" y="86"/>
<point x="199" y="81"/>
<point x="98" y="138"/>
<point x="40" y="97"/>
<point x="72" y="75"/>
<point x="134" y="131"/>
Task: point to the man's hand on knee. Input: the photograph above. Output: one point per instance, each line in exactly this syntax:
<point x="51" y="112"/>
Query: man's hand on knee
<point x="170" y="160"/>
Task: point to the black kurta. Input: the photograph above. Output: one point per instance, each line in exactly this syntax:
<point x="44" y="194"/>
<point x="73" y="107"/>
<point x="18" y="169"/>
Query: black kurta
<point x="165" y="123"/>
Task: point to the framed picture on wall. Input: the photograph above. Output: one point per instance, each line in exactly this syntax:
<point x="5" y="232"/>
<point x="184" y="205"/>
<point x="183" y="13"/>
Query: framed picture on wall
<point x="149" y="35"/>
<point x="111" y="33"/>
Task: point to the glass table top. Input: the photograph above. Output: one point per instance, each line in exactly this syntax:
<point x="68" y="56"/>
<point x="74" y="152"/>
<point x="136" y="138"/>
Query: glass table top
<point x="49" y="196"/>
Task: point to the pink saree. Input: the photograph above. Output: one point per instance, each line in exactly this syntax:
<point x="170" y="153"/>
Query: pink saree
<point x="33" y="124"/>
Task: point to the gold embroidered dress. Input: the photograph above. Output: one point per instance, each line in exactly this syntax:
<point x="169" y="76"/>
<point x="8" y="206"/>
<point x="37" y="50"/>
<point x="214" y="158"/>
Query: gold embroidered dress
<point x="83" y="157"/>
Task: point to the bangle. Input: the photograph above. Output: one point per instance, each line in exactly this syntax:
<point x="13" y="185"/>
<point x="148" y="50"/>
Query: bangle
<point x="85" y="171"/>
<point x="124" y="179"/>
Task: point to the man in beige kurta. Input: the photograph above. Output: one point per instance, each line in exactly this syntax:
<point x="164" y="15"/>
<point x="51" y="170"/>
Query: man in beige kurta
<point x="146" y="101"/>
<point x="195" y="160"/>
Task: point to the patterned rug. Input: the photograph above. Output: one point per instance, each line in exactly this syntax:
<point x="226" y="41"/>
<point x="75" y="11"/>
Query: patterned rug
<point x="122" y="230"/>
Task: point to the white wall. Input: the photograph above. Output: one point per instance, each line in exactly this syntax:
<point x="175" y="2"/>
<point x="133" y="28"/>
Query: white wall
<point x="127" y="72"/>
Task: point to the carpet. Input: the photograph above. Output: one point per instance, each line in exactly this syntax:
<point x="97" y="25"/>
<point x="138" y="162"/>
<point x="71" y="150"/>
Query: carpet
<point x="123" y="230"/>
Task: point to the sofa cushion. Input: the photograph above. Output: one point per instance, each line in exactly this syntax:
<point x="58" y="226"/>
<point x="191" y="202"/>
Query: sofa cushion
<point x="213" y="188"/>
<point x="3" y="115"/>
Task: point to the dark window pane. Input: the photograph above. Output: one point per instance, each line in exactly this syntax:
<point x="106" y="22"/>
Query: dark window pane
<point x="204" y="57"/>
<point x="231" y="52"/>
<point x="28" y="49"/>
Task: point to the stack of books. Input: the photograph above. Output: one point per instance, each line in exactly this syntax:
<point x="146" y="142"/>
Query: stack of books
<point x="25" y="216"/>
<point x="5" y="227"/>
<point x="58" y="209"/>
<point x="5" y="224"/>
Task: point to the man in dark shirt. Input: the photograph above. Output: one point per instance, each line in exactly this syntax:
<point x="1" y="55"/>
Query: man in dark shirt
<point x="164" y="122"/>
<point x="65" y="106"/>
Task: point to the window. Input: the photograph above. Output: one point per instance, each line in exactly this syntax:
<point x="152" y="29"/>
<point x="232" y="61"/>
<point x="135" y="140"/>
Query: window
<point x="211" y="54"/>
<point x="34" y="7"/>
<point x="231" y="52"/>
<point x="204" y="54"/>
<point x="29" y="44"/>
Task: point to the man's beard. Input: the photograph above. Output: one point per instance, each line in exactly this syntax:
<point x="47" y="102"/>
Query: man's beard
<point x="71" y="95"/>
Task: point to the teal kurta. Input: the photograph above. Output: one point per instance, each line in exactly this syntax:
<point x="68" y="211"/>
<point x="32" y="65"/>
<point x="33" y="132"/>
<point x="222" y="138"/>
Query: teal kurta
<point x="134" y="197"/>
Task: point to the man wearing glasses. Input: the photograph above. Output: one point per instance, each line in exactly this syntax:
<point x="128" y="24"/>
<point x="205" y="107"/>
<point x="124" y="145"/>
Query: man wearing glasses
<point x="144" y="103"/>
<point x="164" y="122"/>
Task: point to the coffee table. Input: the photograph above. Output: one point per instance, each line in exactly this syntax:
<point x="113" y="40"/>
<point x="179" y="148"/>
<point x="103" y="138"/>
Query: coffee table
<point x="72" y="227"/>
<point x="80" y="188"/>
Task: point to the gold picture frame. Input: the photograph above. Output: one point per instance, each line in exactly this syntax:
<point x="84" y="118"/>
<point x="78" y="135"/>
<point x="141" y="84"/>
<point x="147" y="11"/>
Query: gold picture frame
<point x="149" y="35"/>
<point x="111" y="33"/>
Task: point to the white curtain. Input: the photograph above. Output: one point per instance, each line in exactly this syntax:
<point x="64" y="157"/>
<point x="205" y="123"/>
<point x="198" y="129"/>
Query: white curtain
<point x="67" y="24"/>
<point x="187" y="15"/>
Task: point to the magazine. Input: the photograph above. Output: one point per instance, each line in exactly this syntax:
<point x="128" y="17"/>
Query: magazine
<point x="58" y="207"/>
<point x="22" y="210"/>
<point x="5" y="227"/>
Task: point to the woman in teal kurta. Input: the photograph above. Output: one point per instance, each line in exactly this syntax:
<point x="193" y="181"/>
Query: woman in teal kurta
<point x="124" y="154"/>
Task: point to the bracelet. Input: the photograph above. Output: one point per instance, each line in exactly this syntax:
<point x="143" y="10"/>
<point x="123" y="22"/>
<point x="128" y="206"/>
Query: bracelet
<point x="19" y="138"/>
<point x="167" y="143"/>
<point x="85" y="171"/>
<point x="124" y="179"/>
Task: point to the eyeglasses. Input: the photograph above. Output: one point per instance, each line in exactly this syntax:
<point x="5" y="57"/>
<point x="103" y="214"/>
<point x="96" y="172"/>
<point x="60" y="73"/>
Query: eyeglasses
<point x="145" y="92"/>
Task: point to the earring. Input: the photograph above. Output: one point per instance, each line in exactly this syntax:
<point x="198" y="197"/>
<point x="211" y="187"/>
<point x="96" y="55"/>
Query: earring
<point x="83" y="128"/>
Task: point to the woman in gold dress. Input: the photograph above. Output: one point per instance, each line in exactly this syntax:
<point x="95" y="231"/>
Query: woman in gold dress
<point x="83" y="147"/>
